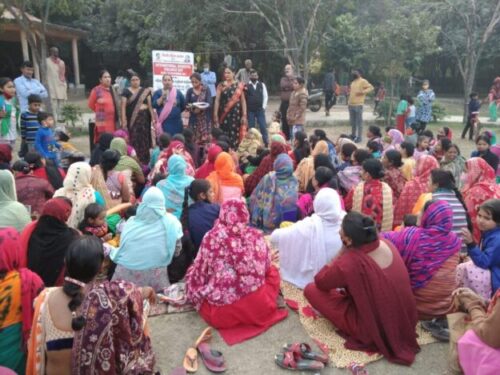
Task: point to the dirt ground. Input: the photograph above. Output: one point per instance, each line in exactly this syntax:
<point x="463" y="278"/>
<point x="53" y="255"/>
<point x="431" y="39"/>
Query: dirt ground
<point x="173" y="334"/>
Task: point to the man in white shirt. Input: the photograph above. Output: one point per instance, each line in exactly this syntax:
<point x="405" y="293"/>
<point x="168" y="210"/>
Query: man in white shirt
<point x="209" y="79"/>
<point x="256" y="97"/>
<point x="27" y="85"/>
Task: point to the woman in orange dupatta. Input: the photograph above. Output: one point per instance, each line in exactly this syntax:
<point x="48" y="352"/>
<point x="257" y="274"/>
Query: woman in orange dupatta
<point x="102" y="102"/>
<point x="225" y="183"/>
<point x="230" y="110"/>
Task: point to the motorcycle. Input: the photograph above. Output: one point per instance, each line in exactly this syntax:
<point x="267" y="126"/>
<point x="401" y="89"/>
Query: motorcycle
<point x="315" y="100"/>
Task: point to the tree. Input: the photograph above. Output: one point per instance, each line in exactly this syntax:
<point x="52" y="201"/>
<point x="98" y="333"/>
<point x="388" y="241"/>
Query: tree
<point x="397" y="47"/>
<point x="297" y="26"/>
<point x="467" y="27"/>
<point x="36" y="29"/>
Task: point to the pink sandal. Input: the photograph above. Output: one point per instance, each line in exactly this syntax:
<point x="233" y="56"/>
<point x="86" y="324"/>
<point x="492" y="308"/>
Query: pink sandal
<point x="293" y="361"/>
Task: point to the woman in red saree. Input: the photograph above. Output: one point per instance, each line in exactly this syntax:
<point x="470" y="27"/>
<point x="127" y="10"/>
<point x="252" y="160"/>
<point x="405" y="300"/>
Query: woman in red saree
<point x="365" y="292"/>
<point x="232" y="282"/>
<point x="102" y="102"/>
<point x="480" y="185"/>
<point x="418" y="185"/>
<point x="230" y="109"/>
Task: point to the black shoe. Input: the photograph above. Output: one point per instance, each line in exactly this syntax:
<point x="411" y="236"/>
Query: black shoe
<point x="438" y="328"/>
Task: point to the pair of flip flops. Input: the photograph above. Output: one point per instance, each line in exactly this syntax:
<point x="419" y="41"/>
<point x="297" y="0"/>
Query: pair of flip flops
<point x="212" y="359"/>
<point x="300" y="357"/>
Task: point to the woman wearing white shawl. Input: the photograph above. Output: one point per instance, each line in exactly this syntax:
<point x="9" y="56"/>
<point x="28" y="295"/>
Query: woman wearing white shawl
<point x="308" y="245"/>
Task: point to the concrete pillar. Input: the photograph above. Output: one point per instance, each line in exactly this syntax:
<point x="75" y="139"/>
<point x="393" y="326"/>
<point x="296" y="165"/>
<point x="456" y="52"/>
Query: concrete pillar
<point x="24" y="45"/>
<point x="76" y="65"/>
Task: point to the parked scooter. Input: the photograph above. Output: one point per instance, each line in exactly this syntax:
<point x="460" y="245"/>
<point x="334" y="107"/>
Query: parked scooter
<point x="315" y="99"/>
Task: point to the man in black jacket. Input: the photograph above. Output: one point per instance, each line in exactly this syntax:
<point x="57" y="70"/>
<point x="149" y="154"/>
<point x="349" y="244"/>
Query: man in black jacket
<point x="329" y="84"/>
<point x="256" y="97"/>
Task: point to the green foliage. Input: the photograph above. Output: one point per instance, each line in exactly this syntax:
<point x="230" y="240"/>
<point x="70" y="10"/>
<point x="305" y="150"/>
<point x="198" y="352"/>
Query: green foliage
<point x="384" y="109"/>
<point x="438" y="112"/>
<point x="71" y="113"/>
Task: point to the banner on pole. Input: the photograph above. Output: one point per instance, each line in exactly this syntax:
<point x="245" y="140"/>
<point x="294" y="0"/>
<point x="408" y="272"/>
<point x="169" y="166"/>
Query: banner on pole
<point x="180" y="65"/>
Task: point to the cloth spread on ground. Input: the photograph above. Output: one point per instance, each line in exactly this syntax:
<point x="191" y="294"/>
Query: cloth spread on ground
<point x="319" y="328"/>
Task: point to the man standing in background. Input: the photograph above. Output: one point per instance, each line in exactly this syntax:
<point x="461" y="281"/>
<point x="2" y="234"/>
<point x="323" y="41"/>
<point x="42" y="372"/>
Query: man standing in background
<point x="26" y="85"/>
<point x="56" y="80"/>
<point x="243" y="74"/>
<point x="359" y="88"/>
<point x="209" y="79"/>
<point x="256" y="96"/>
<point x="286" y="86"/>
<point x="329" y="84"/>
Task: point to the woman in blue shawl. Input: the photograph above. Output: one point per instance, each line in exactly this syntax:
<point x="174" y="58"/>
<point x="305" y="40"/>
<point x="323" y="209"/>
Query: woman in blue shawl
<point x="148" y="243"/>
<point x="274" y="200"/>
<point x="174" y="186"/>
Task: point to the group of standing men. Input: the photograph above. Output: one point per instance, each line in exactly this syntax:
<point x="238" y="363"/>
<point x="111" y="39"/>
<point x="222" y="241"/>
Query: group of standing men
<point x="26" y="85"/>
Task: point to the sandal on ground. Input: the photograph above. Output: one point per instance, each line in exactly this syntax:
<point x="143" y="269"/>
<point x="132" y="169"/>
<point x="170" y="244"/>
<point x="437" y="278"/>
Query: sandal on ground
<point x="304" y="350"/>
<point x="178" y="371"/>
<point x="190" y="362"/>
<point x="205" y="336"/>
<point x="293" y="361"/>
<point x="212" y="359"/>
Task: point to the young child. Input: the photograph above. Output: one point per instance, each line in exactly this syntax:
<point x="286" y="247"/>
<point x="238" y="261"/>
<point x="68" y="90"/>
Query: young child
<point x="215" y="133"/>
<point x="374" y="134"/>
<point x="472" y="115"/>
<point x="374" y="148"/>
<point x="351" y="176"/>
<point x="163" y="143"/>
<point x="485" y="256"/>
<point x="200" y="216"/>
<point x="483" y="144"/>
<point x="422" y="147"/>
<point x="275" y="127"/>
<point x="30" y="124"/>
<point x="440" y="148"/>
<point x="345" y="155"/>
<point x="94" y="222"/>
<point x="45" y="142"/>
<point x="430" y="135"/>
<point x="412" y="111"/>
<point x="401" y="112"/>
<point x="407" y="151"/>
<point x="9" y="112"/>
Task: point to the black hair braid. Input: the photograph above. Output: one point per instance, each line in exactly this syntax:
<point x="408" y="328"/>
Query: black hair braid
<point x="75" y="293"/>
<point x="185" y="210"/>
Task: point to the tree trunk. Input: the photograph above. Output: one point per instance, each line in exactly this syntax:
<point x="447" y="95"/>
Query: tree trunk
<point x="389" y="114"/>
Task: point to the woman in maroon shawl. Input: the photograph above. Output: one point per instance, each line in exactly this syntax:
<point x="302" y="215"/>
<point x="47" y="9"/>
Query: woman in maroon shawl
<point x="208" y="165"/>
<point x="365" y="292"/>
<point x="264" y="168"/>
<point x="112" y="339"/>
